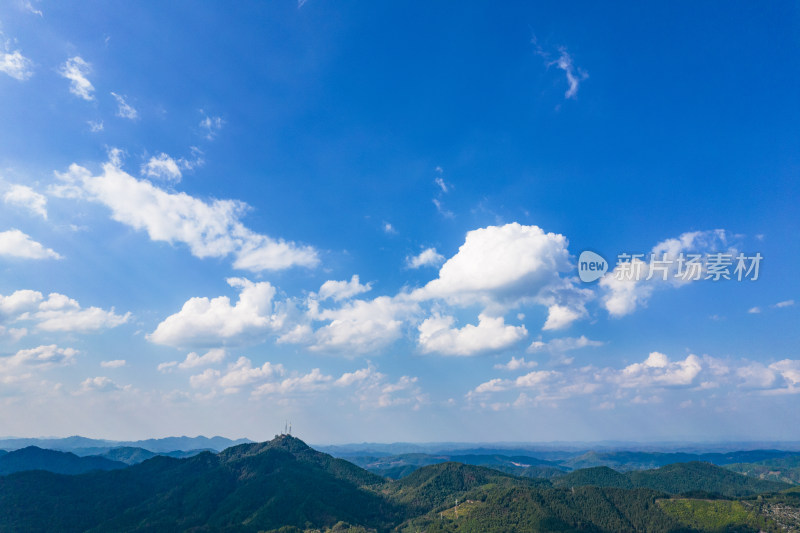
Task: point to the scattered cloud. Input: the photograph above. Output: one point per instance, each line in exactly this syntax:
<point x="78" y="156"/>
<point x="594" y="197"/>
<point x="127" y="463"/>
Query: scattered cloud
<point x="209" y="229"/>
<point x="442" y="210"/>
<point x="574" y="75"/>
<point x="124" y="109"/>
<point x="388" y="228"/>
<point x="14" y="243"/>
<point x="342" y="290"/>
<point x="242" y="373"/>
<point x="16" y="65"/>
<point x="623" y="296"/>
<point x="361" y="326"/>
<point x="211" y="126"/>
<point x="366" y="386"/>
<point x="28" y="6"/>
<point x="116" y="363"/>
<point x="40" y="357"/>
<point x="785" y="303"/>
<point x="502" y="267"/>
<point x="95" y="125"/>
<point x="428" y="257"/>
<point x="24" y="196"/>
<point x="563" y="345"/>
<point x="565" y="63"/>
<point x="754" y="310"/>
<point x="515" y="364"/>
<point x="215" y="322"/>
<point x="99" y="384"/>
<point x="75" y="70"/>
<point x="56" y="313"/>
<point x="436" y="334"/>
<point x="162" y="167"/>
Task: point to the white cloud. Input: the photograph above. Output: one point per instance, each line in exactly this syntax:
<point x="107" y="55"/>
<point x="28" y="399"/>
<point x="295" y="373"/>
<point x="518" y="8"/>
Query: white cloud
<point x="436" y="334"/>
<point x="162" y="167"/>
<point x="124" y="109"/>
<point x="623" y="296"/>
<point x="505" y="266"/>
<point x="99" y="384"/>
<point x="428" y="257"/>
<point x="342" y="290"/>
<point x="24" y="196"/>
<point x="500" y="263"/>
<point x="657" y="369"/>
<point x="754" y="310"/>
<point x="209" y="229"/>
<point x="561" y="316"/>
<point x="564" y="344"/>
<point x="388" y="228"/>
<point x="57" y="312"/>
<point x="785" y="303"/>
<point x="361" y="326"/>
<point x="16" y="65"/>
<point x="516" y="364"/>
<point x="13" y="334"/>
<point x="442" y="210"/>
<point x="212" y="356"/>
<point x="756" y="375"/>
<point x="14" y="243"/>
<point x="40" y="357"/>
<point x="651" y="381"/>
<point x="60" y="313"/>
<point x="564" y="62"/>
<point x="116" y="363"/>
<point x="211" y="126"/>
<point x="574" y="75"/>
<point x="95" y="125"/>
<point x="28" y="6"/>
<point x="242" y="373"/>
<point x="214" y="322"/>
<point x="75" y="70"/>
<point x="441" y="184"/>
<point x="207" y="379"/>
<point x="313" y="381"/>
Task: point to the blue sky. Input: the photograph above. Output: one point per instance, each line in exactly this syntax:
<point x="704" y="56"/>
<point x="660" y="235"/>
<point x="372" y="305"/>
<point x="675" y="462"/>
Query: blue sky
<point x="366" y="218"/>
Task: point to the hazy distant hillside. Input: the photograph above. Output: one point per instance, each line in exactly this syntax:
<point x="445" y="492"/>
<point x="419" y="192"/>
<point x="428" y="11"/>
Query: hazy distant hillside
<point x="168" y="444"/>
<point x="33" y="458"/>
<point x="398" y="466"/>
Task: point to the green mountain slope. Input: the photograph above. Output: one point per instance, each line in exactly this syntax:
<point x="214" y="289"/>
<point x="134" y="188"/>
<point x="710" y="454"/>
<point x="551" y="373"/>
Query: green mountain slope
<point x="677" y="478"/>
<point x="285" y="486"/>
<point x="431" y="486"/>
<point x="249" y="488"/>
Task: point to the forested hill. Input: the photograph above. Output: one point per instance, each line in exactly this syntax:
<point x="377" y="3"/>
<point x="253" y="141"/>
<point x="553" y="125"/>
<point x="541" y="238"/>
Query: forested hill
<point x="284" y="485"/>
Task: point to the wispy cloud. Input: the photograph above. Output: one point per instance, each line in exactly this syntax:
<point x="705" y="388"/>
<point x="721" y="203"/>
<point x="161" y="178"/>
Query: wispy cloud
<point x="210" y="126"/>
<point x="124" y="109"/>
<point x="428" y="257"/>
<point x="210" y="229"/>
<point x="24" y="196"/>
<point x="75" y="70"/>
<point x="16" y="65"/>
<point x="564" y="62"/>
<point x="14" y="243"/>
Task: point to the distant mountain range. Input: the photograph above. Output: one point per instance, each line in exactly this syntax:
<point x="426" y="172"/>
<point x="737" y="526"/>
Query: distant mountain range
<point x="284" y="486"/>
<point x="77" y="444"/>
